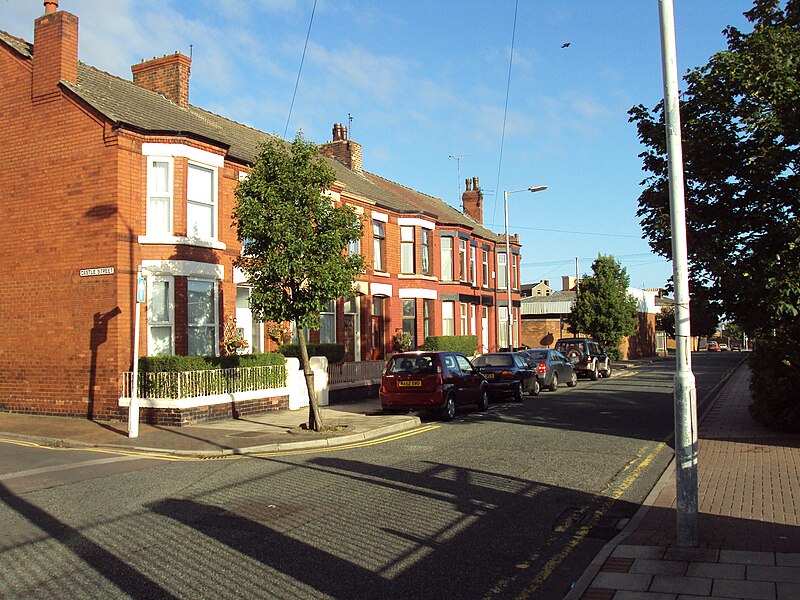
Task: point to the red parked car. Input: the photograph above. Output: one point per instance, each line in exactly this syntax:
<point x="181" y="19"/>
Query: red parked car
<point x="440" y="381"/>
<point x="712" y="346"/>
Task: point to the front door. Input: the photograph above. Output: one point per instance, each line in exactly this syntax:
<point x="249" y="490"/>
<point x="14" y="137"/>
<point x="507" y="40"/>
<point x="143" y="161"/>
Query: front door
<point x="377" y="328"/>
<point x="349" y="324"/>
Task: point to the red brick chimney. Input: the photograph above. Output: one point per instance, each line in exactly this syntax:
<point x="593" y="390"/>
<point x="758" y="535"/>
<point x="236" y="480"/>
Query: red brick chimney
<point x="343" y="150"/>
<point x="55" y="51"/>
<point x="472" y="200"/>
<point x="168" y="76"/>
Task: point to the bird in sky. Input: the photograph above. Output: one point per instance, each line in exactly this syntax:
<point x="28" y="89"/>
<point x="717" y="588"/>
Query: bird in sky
<point x="565" y="44"/>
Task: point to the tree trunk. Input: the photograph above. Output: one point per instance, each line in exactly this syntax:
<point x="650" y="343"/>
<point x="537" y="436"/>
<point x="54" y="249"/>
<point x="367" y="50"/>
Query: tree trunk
<point x="314" y="415"/>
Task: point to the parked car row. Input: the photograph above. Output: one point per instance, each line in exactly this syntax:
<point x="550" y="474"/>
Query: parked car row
<point x="444" y="381"/>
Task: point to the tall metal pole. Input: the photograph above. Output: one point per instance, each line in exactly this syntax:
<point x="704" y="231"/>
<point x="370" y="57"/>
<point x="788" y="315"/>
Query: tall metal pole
<point x="508" y="270"/>
<point x="685" y="393"/>
<point x="533" y="188"/>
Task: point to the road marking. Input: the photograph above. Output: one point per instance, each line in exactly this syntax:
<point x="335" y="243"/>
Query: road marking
<point x="153" y="455"/>
<point x="614" y="493"/>
<point x="80" y="465"/>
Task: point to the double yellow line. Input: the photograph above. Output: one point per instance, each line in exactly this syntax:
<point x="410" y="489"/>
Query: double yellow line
<point x="153" y="455"/>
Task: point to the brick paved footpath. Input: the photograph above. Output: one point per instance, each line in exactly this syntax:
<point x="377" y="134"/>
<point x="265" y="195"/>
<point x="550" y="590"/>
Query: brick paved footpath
<point x="749" y="506"/>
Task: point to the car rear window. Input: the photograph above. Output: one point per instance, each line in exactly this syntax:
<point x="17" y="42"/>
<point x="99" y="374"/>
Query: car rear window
<point x="540" y="355"/>
<point x="494" y="360"/>
<point x="565" y="347"/>
<point x="412" y="364"/>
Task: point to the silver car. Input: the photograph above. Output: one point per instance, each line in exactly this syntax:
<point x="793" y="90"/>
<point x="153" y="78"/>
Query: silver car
<point x="551" y="368"/>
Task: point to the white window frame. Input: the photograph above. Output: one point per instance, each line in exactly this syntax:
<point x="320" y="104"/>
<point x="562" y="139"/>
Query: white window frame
<point x="328" y="314"/>
<point x="462" y="260"/>
<point x="473" y="269"/>
<point x="448" y="318"/>
<point x="407" y="250"/>
<point x="214" y="312"/>
<point x="378" y="245"/>
<point x="502" y="327"/>
<point x="425" y="241"/>
<point x="214" y="203"/>
<point x="463" y="319"/>
<point x="152" y="282"/>
<point x="485" y="259"/>
<point x="502" y="271"/>
<point x="151" y="193"/>
<point x="446" y="256"/>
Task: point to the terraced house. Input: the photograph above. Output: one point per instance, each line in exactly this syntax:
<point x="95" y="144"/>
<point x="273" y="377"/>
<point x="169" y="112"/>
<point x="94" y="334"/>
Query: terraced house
<point x="105" y="178"/>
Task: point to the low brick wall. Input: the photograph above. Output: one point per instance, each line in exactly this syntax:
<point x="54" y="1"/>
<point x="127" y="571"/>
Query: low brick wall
<point x="177" y="417"/>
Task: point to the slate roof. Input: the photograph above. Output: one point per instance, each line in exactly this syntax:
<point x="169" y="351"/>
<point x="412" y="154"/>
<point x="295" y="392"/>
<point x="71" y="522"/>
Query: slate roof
<point x="132" y="107"/>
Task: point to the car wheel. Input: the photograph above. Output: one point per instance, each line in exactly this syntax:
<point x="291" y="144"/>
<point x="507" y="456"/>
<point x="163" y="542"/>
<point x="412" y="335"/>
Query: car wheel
<point x="449" y="408"/>
<point x="607" y="372"/>
<point x="518" y="391"/>
<point x="536" y="388"/>
<point x="593" y="374"/>
<point x="483" y="403"/>
<point x="573" y="380"/>
<point x="554" y="382"/>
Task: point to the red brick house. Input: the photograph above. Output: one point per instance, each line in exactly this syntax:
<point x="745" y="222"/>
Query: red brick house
<point x="106" y="178"/>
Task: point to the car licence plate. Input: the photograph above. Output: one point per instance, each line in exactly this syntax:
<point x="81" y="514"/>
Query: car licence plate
<point x="410" y="383"/>
<point x="489" y="375"/>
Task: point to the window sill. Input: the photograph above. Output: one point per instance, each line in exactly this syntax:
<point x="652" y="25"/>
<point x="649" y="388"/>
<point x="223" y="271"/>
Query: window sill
<point x="381" y="274"/>
<point x="171" y="240"/>
<point x="416" y="276"/>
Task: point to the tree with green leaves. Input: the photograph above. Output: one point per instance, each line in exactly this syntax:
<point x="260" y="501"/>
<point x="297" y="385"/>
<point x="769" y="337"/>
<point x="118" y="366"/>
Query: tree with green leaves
<point x="603" y="308"/>
<point x="294" y="239"/>
<point x="741" y="148"/>
<point x="703" y="314"/>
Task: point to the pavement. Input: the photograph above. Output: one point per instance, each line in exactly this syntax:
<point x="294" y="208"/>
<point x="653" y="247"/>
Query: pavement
<point x="748" y="486"/>
<point x="748" y="511"/>
<point x="276" y="431"/>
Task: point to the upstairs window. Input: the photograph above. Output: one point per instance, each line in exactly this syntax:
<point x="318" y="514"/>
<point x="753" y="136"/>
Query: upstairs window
<point x="201" y="203"/>
<point x="447" y="259"/>
<point x="406" y="249"/>
<point x="485" y="259"/>
<point x="378" y="246"/>
<point x="159" y="196"/>
<point x="472" y="260"/>
<point x="462" y="259"/>
<point x="425" y="253"/>
<point x="502" y="271"/>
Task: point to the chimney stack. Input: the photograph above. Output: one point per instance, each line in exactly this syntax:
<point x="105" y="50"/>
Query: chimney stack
<point x="472" y="200"/>
<point x="168" y="76"/>
<point x="343" y="150"/>
<point x="55" y="51"/>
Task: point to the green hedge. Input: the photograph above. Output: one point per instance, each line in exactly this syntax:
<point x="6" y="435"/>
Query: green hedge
<point x="174" y="363"/>
<point x="775" y="383"/>
<point x="466" y="344"/>
<point x="333" y="352"/>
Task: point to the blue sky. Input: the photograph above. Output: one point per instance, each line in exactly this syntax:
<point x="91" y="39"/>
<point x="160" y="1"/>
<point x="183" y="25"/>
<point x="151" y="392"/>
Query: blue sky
<point x="425" y="80"/>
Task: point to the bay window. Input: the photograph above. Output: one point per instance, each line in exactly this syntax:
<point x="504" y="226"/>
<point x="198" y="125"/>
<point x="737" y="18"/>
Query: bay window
<point x="502" y="271"/>
<point x="202" y="317"/>
<point x="448" y="318"/>
<point x="201" y="203"/>
<point x="447" y="259"/>
<point x="406" y="249"/>
<point x="159" y="196"/>
<point x="160" y="316"/>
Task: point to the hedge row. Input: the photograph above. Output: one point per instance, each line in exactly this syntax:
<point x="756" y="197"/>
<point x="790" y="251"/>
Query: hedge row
<point x="174" y="363"/>
<point x="466" y="344"/>
<point x="333" y="352"/>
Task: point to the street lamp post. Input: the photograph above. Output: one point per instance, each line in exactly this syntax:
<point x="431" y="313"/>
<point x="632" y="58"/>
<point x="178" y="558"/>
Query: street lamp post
<point x="510" y="321"/>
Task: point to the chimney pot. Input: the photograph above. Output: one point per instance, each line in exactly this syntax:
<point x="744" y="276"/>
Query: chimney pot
<point x="475" y="185"/>
<point x="50" y="6"/>
<point x="469" y="184"/>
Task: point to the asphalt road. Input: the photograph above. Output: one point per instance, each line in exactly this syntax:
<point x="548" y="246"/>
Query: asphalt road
<point x="513" y="503"/>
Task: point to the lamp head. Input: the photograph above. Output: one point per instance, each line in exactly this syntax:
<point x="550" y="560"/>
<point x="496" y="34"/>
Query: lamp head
<point x="537" y="188"/>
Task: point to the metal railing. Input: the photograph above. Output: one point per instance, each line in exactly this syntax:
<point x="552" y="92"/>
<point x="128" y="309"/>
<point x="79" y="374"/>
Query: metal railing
<point x="355" y="371"/>
<point x="192" y="384"/>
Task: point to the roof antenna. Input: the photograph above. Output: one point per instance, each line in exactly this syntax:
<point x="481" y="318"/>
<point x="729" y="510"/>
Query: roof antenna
<point x="191" y="48"/>
<point x="349" y="126"/>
